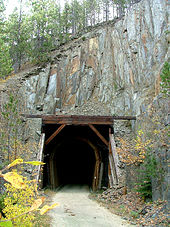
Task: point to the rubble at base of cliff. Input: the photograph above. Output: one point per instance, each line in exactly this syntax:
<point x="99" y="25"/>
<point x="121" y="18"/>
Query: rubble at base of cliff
<point x="133" y="208"/>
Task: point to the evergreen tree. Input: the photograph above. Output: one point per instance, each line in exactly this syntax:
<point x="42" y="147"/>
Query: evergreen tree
<point x="5" y="59"/>
<point x="66" y="19"/>
<point x="38" y="29"/>
<point x="106" y="8"/>
<point x="76" y="16"/>
<point x="18" y="36"/>
<point x="2" y="16"/>
<point x="91" y="11"/>
<point x="147" y="172"/>
<point x="54" y="28"/>
<point x="165" y="79"/>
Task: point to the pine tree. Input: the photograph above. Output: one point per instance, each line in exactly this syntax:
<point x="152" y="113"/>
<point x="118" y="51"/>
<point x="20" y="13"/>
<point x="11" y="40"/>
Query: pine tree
<point x="106" y="7"/>
<point x="5" y="59"/>
<point x="165" y="79"/>
<point x="18" y="36"/>
<point x="2" y="9"/>
<point x="147" y="172"/>
<point x="66" y="19"/>
<point x="54" y="28"/>
<point x="40" y="43"/>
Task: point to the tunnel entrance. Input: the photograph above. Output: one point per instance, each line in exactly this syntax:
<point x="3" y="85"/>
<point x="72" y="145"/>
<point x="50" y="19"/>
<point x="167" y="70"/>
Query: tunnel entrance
<point x="75" y="156"/>
<point x="78" y="149"/>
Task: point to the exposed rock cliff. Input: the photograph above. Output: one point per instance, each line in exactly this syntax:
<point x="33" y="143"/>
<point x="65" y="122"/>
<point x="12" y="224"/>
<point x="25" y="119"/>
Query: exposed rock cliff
<point x="116" y="67"/>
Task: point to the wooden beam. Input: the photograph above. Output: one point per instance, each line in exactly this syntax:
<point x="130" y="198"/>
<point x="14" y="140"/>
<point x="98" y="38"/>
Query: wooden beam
<point x="79" y="119"/>
<point x="99" y="135"/>
<point x="54" y="134"/>
<point x="114" y="152"/>
<point x="40" y="156"/>
<point x="112" y="166"/>
<point x="110" y="171"/>
<point x="78" y="122"/>
<point x="113" y="155"/>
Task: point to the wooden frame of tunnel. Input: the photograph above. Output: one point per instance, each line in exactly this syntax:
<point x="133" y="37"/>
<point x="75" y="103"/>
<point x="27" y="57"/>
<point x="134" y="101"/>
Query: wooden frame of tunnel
<point x="64" y="120"/>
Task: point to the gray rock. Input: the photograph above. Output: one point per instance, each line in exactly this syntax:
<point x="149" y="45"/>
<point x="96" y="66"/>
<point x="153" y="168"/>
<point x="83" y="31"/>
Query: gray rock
<point x="42" y="85"/>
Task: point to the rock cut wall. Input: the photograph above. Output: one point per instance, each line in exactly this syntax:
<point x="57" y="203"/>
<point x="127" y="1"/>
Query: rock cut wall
<point x="114" y="69"/>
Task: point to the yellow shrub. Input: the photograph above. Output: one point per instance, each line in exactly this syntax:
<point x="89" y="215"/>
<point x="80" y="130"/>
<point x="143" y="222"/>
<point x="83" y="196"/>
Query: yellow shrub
<point x="133" y="152"/>
<point x="19" y="201"/>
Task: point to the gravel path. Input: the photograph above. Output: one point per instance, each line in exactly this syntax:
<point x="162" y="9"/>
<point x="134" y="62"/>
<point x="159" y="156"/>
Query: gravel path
<point x="77" y="210"/>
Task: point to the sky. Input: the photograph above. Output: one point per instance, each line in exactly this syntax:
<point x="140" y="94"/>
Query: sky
<point x="11" y="5"/>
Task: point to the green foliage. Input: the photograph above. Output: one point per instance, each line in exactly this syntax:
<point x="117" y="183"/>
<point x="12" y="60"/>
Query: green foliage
<point x="148" y="170"/>
<point x="165" y="79"/>
<point x="30" y="35"/>
<point x="2" y="205"/>
<point x="2" y="9"/>
<point x="18" y="30"/>
<point x="5" y="59"/>
<point x="9" y="131"/>
<point x="39" y="22"/>
<point x="6" y="224"/>
<point x="134" y="214"/>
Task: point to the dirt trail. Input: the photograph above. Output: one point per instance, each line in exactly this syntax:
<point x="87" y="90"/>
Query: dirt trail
<point x="77" y="210"/>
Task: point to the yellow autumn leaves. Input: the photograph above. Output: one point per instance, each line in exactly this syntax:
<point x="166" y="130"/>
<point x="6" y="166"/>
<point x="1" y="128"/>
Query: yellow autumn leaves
<point x="47" y="208"/>
<point x="15" y="162"/>
<point x="12" y="177"/>
<point x="134" y="152"/>
<point x="37" y="203"/>
<point x="21" y="161"/>
<point x="21" y="197"/>
<point x="15" y="179"/>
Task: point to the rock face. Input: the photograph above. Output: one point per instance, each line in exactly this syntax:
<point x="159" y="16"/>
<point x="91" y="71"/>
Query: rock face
<point x="117" y="66"/>
<point x="112" y="70"/>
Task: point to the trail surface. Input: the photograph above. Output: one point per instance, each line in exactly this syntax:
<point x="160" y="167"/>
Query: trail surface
<point x="77" y="210"/>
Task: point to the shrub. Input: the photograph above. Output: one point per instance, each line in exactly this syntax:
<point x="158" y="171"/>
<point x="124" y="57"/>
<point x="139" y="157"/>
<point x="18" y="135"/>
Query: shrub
<point x="165" y="79"/>
<point x="147" y="171"/>
<point x="19" y="201"/>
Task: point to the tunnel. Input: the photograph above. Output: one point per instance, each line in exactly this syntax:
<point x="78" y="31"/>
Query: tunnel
<point x="75" y="156"/>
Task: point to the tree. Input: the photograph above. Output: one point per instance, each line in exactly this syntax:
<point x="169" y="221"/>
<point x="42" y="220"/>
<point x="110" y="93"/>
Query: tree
<point x="120" y="5"/>
<point x="2" y="9"/>
<point x="42" y="17"/>
<point x="66" y="20"/>
<point x="106" y="7"/>
<point x="165" y="79"/>
<point x="54" y="28"/>
<point x="10" y="122"/>
<point x="5" y="60"/>
<point x="18" y="36"/>
<point x="91" y="6"/>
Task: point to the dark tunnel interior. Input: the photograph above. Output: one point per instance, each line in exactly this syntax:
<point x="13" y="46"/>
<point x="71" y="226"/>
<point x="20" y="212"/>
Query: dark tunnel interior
<point x="75" y="161"/>
<point x="70" y="158"/>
